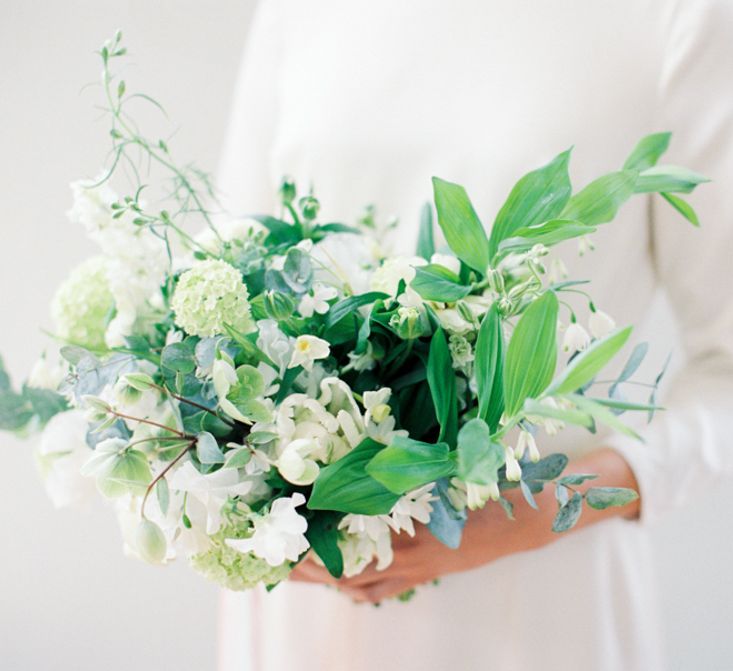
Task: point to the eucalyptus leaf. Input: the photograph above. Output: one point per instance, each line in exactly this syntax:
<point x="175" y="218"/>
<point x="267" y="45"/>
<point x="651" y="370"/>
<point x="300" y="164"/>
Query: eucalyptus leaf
<point x="601" y="498"/>
<point x="569" y="514"/>
<point x="208" y="450"/>
<point x="446" y="523"/>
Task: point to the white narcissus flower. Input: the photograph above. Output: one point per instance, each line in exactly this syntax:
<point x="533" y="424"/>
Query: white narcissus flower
<point x="447" y="261"/>
<point x="576" y="338"/>
<point x="526" y="440"/>
<point x="318" y="301"/>
<point x="600" y="324"/>
<point x="307" y="349"/>
<point x="294" y="463"/>
<point x="279" y="535"/>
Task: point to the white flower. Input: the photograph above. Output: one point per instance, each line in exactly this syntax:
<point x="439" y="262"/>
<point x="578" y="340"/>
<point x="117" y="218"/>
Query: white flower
<point x="279" y="535"/>
<point x="558" y="271"/>
<point x="525" y="440"/>
<point x="413" y="505"/>
<point x="235" y="229"/>
<point x="600" y="324"/>
<point x="60" y="454"/>
<point x="45" y="375"/>
<point x="211" y="491"/>
<point x="576" y="338"/>
<point x="273" y="342"/>
<point x="468" y="494"/>
<point x="552" y="426"/>
<point x="361" y="362"/>
<point x="513" y="469"/>
<point x="367" y="537"/>
<point x="294" y="463"/>
<point x="398" y="269"/>
<point x="585" y="245"/>
<point x="307" y="349"/>
<point x="447" y="261"/>
<point x="317" y="302"/>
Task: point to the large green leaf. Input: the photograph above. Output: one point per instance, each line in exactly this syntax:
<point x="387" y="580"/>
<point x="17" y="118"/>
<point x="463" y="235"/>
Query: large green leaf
<point x="460" y="224"/>
<point x="532" y="353"/>
<point x="436" y="283"/>
<point x="648" y="151"/>
<point x="584" y="367"/>
<point x="425" y="238"/>
<point x="534" y="408"/>
<point x="489" y="367"/>
<point x="323" y="535"/>
<point x="548" y="234"/>
<point x="479" y="458"/>
<point x="598" y="202"/>
<point x="442" y="383"/>
<point x="407" y="464"/>
<point x="349" y="305"/>
<point x="345" y="486"/>
<point x="602" y="414"/>
<point x="538" y="196"/>
<point x="668" y="178"/>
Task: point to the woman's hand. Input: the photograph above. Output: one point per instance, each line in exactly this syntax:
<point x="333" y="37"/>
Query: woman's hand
<point x="488" y="535"/>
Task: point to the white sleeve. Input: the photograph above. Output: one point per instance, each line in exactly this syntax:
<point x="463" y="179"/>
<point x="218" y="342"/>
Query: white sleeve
<point x="244" y="177"/>
<point x="690" y="445"/>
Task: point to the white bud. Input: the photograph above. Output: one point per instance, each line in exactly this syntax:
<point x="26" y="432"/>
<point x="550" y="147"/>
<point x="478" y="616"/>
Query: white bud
<point x="600" y="324"/>
<point x="150" y="542"/>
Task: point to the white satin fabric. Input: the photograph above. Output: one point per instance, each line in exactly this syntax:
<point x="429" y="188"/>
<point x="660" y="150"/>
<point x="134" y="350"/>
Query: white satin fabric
<point x="368" y="100"/>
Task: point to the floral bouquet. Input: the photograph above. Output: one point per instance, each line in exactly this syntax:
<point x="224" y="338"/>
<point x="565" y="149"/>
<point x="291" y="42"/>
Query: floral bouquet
<point x="277" y="386"/>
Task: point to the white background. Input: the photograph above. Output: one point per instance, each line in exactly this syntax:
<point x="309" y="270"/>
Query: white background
<point x="69" y="600"/>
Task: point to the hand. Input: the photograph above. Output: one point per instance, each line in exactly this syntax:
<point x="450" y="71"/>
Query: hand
<point x="488" y="535"/>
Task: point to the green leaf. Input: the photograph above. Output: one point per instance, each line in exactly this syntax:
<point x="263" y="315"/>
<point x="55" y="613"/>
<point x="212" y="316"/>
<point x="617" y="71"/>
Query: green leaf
<point x="345" y="486"/>
<point x="479" y="458"/>
<point x="126" y="473"/>
<point x="533" y="408"/>
<point x="323" y="535"/>
<point x="603" y="415"/>
<point x="546" y="469"/>
<point x="208" y="450"/>
<point x="426" y="238"/>
<point x="442" y="383"/>
<point x="489" y="367"/>
<point x="4" y="377"/>
<point x="548" y="234"/>
<point x="584" y="367"/>
<point x="407" y="464"/>
<point x="601" y="498"/>
<point x="460" y="224"/>
<point x="683" y="207"/>
<point x="598" y="202"/>
<point x="45" y="403"/>
<point x="617" y="404"/>
<point x="648" y="151"/>
<point x="281" y="232"/>
<point x="179" y="356"/>
<point x="436" y="283"/>
<point x="446" y="523"/>
<point x="569" y="514"/>
<point x="576" y="478"/>
<point x="15" y="412"/>
<point x="538" y="196"/>
<point x="349" y="305"/>
<point x="668" y="178"/>
<point x="532" y="353"/>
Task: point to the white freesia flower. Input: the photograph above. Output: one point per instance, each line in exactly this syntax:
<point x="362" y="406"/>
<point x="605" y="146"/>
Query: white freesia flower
<point x="600" y="324"/>
<point x="317" y="301"/>
<point x="279" y="534"/>
<point x="308" y="349"/>
<point x="447" y="261"/>
<point x="576" y="338"/>
<point x="526" y="440"/>
<point x="211" y="491"/>
<point x="61" y="452"/>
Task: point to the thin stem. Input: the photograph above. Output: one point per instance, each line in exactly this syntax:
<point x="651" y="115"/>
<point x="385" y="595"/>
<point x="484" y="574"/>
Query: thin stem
<point x="150" y="422"/>
<point x="163" y="473"/>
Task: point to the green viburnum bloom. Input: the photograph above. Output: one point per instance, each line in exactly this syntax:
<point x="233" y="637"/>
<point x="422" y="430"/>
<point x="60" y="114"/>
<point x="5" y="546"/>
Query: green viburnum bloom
<point x="83" y="305"/>
<point x="233" y="569"/>
<point x="210" y="295"/>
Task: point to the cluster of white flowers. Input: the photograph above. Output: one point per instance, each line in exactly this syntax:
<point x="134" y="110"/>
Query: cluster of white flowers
<point x="577" y="339"/>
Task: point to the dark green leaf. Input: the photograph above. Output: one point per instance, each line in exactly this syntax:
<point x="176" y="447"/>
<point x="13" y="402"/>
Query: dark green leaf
<point x="569" y="514"/>
<point x="442" y="383"/>
<point x="532" y="353"/>
<point x="345" y="486"/>
<point x="601" y="498"/>
<point x="349" y="305"/>
<point x="436" y="283"/>
<point x="323" y="535"/>
<point x="407" y="464"/>
<point x="648" y="151"/>
<point x="425" y="238"/>
<point x="489" y="367"/>
<point x="460" y="224"/>
<point x="598" y="202"/>
<point x="281" y="232"/>
<point x="538" y="196"/>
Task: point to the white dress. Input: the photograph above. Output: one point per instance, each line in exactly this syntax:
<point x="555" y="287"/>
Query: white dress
<point x="366" y="101"/>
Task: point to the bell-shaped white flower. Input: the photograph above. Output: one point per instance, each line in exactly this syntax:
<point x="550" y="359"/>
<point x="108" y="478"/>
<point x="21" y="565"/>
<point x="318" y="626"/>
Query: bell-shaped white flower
<point x="513" y="469"/>
<point x="317" y="301"/>
<point x="600" y="324"/>
<point x="576" y="338"/>
<point x="308" y="349"/>
<point x="279" y="534"/>
<point x="526" y="440"/>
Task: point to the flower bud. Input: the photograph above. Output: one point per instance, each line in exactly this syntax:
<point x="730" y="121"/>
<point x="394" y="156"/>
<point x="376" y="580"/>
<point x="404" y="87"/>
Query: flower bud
<point x="150" y="542"/>
<point x="278" y="305"/>
<point x="287" y="191"/>
<point x="309" y="207"/>
<point x="407" y="323"/>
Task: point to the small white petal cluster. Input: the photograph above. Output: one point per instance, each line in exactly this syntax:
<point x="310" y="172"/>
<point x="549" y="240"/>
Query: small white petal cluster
<point x="316" y="300"/>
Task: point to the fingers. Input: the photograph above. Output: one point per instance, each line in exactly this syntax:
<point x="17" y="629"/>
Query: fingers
<point x="308" y="571"/>
<point x="377" y="591"/>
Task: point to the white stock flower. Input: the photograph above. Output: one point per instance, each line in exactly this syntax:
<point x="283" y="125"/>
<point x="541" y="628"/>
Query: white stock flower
<point x="447" y="261"/>
<point x="60" y="454"/>
<point x="317" y="301"/>
<point x="600" y="324"/>
<point x="576" y="338"/>
<point x="308" y="349"/>
<point x="279" y="534"/>
<point x="211" y="491"/>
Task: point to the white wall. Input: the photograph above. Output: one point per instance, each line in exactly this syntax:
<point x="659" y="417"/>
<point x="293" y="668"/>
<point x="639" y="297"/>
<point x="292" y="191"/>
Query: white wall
<point x="69" y="601"/>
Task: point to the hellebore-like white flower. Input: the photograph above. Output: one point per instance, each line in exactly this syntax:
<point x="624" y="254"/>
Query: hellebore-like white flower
<point x="513" y="469"/>
<point x="211" y="490"/>
<point x="294" y="463"/>
<point x="525" y="440"/>
<point x="361" y="361"/>
<point x="279" y="535"/>
<point x="447" y="261"/>
<point x="576" y="338"/>
<point x="60" y="454"/>
<point x="317" y="302"/>
<point x="307" y="349"/>
<point x="600" y="324"/>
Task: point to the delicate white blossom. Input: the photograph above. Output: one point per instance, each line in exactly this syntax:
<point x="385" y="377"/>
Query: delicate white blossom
<point x="600" y="324"/>
<point x="526" y="440"/>
<point x="576" y="338"/>
<point x="308" y="349"/>
<point x="316" y="300"/>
